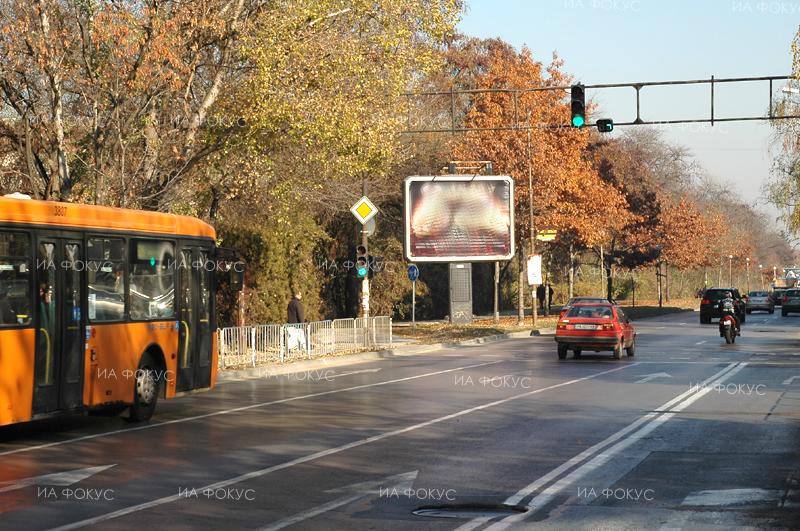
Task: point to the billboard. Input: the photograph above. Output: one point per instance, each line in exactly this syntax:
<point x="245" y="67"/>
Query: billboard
<point x="459" y="218"/>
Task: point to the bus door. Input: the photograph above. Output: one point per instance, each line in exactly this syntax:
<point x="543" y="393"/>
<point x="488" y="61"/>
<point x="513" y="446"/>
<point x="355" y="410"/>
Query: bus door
<point x="195" y="313"/>
<point x="59" y="321"/>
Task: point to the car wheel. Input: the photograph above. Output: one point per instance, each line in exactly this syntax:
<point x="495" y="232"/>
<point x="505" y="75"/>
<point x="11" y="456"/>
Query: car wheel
<point x="562" y="352"/>
<point x="576" y="353"/>
<point x="749" y="311"/>
<point x="784" y="313"/>
<point x="618" y="351"/>
<point x="771" y="311"/>
<point x="145" y="391"/>
<point x="631" y="350"/>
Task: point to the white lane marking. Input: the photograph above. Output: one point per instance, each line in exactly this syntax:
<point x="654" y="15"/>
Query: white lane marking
<point x="686" y="358"/>
<point x="589" y="452"/>
<point x="653" y="376"/>
<point x="353" y="372"/>
<point x="324" y="453"/>
<point x="716" y="498"/>
<point x="401" y="482"/>
<point x="653" y="421"/>
<point x="530" y="489"/>
<point x="702" y="342"/>
<point x="788" y="381"/>
<point x="59" y="479"/>
<point x="242" y="408"/>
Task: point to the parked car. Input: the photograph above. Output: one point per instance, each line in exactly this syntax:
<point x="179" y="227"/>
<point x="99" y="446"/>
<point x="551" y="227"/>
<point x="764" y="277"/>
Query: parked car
<point x="575" y="300"/>
<point x="791" y="302"/>
<point x="595" y="326"/>
<point x="760" y="300"/>
<point x="711" y="298"/>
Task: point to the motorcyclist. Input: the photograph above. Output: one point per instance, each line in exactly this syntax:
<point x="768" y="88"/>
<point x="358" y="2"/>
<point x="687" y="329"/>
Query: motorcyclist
<point x="727" y="305"/>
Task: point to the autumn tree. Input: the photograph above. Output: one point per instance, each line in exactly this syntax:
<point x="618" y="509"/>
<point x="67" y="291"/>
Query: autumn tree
<point x="109" y="101"/>
<point x="567" y="193"/>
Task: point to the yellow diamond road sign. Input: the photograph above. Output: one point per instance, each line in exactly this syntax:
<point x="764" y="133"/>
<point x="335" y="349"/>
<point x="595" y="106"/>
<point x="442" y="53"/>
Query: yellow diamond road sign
<point x="364" y="210"/>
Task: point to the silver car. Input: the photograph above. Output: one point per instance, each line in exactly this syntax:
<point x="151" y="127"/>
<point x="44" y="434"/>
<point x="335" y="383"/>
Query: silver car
<point x="760" y="300"/>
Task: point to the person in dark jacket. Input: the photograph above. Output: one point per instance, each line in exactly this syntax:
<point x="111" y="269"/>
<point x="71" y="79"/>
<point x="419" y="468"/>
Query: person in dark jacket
<point x="540" y="291"/>
<point x="295" y="310"/>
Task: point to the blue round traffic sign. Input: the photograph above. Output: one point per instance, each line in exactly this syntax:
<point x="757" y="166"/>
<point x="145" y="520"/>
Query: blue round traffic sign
<point x="413" y="273"/>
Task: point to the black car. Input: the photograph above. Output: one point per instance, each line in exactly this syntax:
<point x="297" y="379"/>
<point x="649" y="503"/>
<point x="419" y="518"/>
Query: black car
<point x="791" y="302"/>
<point x="711" y="298"/>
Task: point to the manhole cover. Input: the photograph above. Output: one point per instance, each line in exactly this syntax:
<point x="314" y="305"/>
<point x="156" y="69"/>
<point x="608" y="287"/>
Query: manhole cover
<point x="468" y="511"/>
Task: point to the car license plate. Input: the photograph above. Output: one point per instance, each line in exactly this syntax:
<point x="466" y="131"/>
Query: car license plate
<point x="585" y="327"/>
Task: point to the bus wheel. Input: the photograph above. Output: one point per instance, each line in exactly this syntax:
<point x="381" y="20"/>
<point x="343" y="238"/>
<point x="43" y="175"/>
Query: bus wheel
<point x="145" y="391"/>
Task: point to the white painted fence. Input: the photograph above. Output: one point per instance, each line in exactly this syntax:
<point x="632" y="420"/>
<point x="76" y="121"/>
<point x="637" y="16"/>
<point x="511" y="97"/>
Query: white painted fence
<point x="251" y="346"/>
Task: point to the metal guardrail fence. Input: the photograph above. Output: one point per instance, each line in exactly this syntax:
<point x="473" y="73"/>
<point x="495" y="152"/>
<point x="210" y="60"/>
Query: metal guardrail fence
<point x="250" y="346"/>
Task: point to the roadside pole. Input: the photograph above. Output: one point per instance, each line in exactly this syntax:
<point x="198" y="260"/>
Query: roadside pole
<point x="365" y="280"/>
<point x="532" y="234"/>
<point x="413" y="275"/>
<point x="364" y="211"/>
<point x="413" y="304"/>
<point x="496" y="292"/>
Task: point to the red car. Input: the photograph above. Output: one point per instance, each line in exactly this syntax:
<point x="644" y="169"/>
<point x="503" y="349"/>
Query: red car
<point x="595" y="326"/>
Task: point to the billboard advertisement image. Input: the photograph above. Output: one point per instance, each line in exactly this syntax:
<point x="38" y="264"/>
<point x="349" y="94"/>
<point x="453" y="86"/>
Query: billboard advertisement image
<point x="459" y="218"/>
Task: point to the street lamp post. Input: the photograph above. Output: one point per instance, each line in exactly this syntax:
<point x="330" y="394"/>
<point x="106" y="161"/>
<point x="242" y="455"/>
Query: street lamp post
<point x="761" y="275"/>
<point x="748" y="274"/>
<point x="730" y="270"/>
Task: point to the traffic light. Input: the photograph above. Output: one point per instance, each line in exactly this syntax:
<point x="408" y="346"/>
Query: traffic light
<point x="605" y="125"/>
<point x="578" y="105"/>
<point x="362" y="262"/>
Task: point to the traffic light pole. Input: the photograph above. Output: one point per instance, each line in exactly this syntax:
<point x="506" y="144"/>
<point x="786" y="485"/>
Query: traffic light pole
<point x="532" y="235"/>
<point x="605" y="125"/>
<point x="365" y="280"/>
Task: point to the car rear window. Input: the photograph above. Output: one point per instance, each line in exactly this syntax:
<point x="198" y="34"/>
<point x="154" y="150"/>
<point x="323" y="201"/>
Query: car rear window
<point x="591" y="312"/>
<point x="793" y="293"/>
<point x="576" y="300"/>
<point x="717" y="294"/>
<point x="758" y="293"/>
<point x="713" y="295"/>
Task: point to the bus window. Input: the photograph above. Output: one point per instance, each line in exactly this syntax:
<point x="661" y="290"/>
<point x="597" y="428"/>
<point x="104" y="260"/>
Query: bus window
<point x="15" y="293"/>
<point x="152" y="280"/>
<point x="106" y="270"/>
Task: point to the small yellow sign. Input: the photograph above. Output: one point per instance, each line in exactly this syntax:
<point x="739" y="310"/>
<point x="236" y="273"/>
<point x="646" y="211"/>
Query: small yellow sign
<point x="546" y="235"/>
<point x="364" y="210"/>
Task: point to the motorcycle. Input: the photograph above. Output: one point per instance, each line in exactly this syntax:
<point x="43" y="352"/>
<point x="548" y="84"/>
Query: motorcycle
<point x="729" y="328"/>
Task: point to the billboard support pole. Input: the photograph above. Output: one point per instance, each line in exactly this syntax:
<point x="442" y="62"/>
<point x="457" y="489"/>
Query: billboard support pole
<point x="496" y="292"/>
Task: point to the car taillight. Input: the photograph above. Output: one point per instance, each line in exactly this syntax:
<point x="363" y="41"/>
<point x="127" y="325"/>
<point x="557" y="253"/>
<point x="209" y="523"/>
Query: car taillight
<point x="561" y="326"/>
<point x="785" y="298"/>
<point x="607" y="326"/>
<point x="705" y="301"/>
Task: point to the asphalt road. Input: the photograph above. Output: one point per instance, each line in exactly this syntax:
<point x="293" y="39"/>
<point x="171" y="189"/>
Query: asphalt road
<point x="689" y="434"/>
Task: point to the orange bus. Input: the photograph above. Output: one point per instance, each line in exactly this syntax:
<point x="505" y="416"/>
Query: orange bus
<point x="102" y="306"/>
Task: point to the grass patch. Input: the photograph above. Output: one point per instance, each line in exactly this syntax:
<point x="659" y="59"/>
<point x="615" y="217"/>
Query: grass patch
<point x="446" y="333"/>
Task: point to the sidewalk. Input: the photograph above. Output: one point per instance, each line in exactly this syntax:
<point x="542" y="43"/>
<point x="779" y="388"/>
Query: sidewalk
<point x="409" y="348"/>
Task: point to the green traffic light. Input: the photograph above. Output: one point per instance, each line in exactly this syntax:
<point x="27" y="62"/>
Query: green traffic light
<point x="362" y="271"/>
<point x="578" y="121"/>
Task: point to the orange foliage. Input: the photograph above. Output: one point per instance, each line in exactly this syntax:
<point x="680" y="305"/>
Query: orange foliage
<point x="567" y="192"/>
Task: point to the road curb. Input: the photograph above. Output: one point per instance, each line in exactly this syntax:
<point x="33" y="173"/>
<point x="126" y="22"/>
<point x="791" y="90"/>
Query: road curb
<point x="224" y="376"/>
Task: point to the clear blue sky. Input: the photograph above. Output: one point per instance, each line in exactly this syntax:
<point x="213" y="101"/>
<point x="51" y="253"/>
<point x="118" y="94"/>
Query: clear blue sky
<point x="607" y="41"/>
